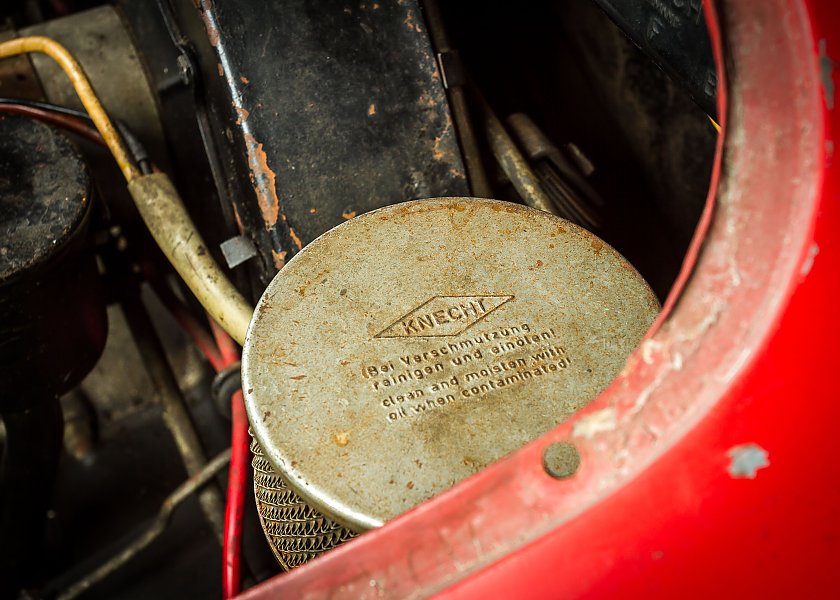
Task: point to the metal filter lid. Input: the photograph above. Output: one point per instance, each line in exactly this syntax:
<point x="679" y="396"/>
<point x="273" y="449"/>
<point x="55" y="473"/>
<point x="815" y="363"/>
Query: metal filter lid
<point x="414" y="345"/>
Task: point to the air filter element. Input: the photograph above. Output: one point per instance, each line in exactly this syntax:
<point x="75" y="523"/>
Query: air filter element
<point x="413" y="346"/>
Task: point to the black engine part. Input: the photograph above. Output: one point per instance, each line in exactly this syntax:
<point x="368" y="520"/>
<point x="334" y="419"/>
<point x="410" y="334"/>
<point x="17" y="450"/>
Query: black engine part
<point x="52" y="324"/>
<point x="52" y="313"/>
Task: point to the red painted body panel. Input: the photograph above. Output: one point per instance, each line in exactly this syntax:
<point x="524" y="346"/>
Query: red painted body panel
<point x="746" y="353"/>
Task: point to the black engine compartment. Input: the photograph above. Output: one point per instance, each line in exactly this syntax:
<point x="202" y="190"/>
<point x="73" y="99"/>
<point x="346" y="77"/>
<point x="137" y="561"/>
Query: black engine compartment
<point x="279" y="121"/>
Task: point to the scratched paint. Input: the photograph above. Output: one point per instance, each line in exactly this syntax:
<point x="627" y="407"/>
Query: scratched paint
<point x="261" y="153"/>
<point x="262" y="176"/>
<point x="813" y="250"/>
<point x="279" y="258"/>
<point x="242" y="113"/>
<point x="747" y="460"/>
<point x="209" y="23"/>
<point x="295" y="239"/>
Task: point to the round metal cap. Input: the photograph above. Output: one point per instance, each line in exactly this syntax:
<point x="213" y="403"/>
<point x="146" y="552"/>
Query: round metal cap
<point x="414" y="345"/>
<point x="43" y="194"/>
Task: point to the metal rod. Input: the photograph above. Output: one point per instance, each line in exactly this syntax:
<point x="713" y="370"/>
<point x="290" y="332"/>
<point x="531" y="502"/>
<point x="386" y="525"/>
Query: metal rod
<point x="175" y="414"/>
<point x="512" y="161"/>
<point x="476" y="175"/>
<point x="181" y="493"/>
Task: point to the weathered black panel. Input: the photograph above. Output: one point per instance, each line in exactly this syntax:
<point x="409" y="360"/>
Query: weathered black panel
<point x="330" y="109"/>
<point x="674" y="34"/>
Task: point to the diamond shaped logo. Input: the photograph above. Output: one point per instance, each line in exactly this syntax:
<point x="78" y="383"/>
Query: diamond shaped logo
<point x="443" y="316"/>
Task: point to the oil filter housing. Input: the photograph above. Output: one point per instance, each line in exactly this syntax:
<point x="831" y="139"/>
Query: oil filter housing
<point x="412" y="346"/>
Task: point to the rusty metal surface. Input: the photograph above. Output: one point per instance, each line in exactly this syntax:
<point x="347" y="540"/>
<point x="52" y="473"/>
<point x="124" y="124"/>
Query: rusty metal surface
<point x="411" y="347"/>
<point x="295" y="531"/>
<point x="328" y="109"/>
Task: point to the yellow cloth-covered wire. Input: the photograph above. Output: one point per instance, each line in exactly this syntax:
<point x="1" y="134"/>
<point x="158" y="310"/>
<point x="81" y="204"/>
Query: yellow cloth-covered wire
<point x="156" y="199"/>
<point x="74" y="71"/>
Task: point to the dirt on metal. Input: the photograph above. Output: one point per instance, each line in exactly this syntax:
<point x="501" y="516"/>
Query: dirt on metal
<point x="412" y="346"/>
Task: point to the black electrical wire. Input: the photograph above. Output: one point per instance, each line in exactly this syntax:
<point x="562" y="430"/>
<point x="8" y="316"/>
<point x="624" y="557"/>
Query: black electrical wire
<point x="133" y="144"/>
